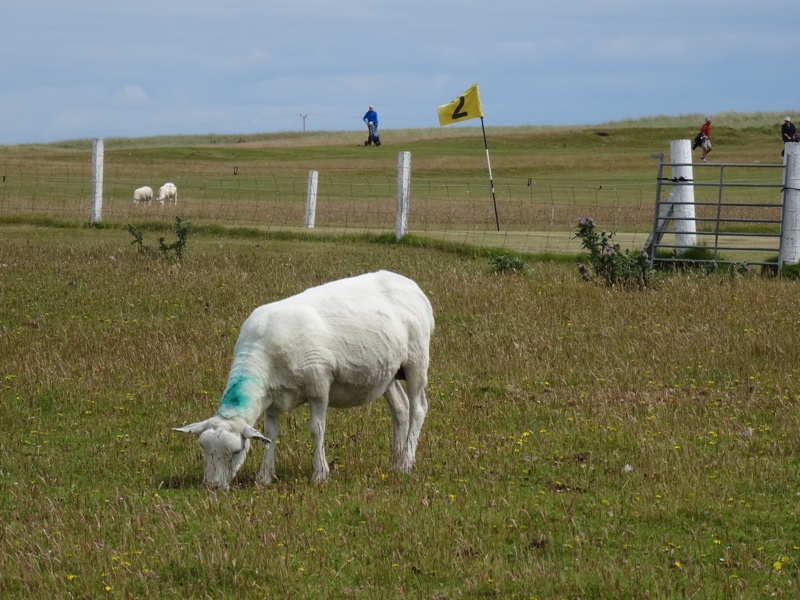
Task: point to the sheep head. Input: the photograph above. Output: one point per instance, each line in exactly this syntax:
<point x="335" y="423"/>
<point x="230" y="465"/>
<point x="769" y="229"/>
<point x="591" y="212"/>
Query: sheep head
<point x="225" y="443"/>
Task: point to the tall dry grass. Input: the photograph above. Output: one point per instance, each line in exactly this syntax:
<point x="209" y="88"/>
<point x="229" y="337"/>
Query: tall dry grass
<point x="581" y="442"/>
<point x="545" y="179"/>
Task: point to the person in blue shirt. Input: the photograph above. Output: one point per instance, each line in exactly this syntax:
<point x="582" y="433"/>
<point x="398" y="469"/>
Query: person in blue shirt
<point x="371" y="116"/>
<point x="371" y="119"/>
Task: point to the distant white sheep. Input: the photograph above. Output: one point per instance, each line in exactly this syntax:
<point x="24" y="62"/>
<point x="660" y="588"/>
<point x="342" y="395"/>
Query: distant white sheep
<point x="142" y="194"/>
<point x="168" y="193"/>
<point x="341" y="344"/>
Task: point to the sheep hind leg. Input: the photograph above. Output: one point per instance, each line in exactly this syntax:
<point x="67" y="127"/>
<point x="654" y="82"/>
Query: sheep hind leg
<point x="266" y="474"/>
<point x="398" y="407"/>
<point x="318" y="409"/>
<point x="416" y="383"/>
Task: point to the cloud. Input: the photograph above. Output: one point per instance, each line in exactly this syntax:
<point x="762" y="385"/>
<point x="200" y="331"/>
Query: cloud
<point x="96" y="68"/>
<point x="130" y="96"/>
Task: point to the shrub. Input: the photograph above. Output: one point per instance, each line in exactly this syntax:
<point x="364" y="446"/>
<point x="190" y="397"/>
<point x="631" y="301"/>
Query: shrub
<point x="173" y="251"/>
<point x="790" y="271"/>
<point x="507" y="264"/>
<point x="608" y="263"/>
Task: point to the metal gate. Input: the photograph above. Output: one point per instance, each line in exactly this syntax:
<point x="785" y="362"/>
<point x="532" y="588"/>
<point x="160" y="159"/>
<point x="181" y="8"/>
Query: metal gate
<point x="737" y="219"/>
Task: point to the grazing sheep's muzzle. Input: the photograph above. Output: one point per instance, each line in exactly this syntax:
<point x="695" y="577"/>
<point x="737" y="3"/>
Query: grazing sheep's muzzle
<point x="217" y="477"/>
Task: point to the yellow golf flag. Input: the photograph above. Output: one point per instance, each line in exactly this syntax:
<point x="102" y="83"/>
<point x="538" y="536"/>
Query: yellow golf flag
<point x="466" y="106"/>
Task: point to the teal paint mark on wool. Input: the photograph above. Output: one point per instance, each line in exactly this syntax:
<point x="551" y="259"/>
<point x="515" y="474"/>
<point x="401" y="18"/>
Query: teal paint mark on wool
<point x="235" y="396"/>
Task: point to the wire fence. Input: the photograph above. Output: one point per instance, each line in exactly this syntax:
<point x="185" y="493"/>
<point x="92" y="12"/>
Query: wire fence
<point x="534" y="216"/>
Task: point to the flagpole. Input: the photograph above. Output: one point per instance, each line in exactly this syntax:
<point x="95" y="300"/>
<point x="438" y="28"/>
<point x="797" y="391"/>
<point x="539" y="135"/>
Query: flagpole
<point x="491" y="181"/>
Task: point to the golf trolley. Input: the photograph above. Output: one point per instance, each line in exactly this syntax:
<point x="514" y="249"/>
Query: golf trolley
<point x="373" y="137"/>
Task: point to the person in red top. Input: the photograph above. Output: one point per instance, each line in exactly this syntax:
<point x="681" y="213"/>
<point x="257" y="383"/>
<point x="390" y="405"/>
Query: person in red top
<point x="705" y="139"/>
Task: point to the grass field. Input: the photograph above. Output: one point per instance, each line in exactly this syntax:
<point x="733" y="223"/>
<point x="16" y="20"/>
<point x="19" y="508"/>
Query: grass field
<point x="544" y="179"/>
<point x="582" y="441"/>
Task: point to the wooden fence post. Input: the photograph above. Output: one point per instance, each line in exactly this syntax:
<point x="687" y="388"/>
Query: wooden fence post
<point x="403" y="192"/>
<point x="790" y="225"/>
<point x="311" y="199"/>
<point x="683" y="196"/>
<point x="96" y="209"/>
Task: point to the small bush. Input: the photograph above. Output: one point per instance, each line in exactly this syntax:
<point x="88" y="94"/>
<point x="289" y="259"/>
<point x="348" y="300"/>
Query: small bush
<point x="739" y="269"/>
<point x="173" y="251"/>
<point x="507" y="264"/>
<point x="608" y="263"/>
<point x="790" y="271"/>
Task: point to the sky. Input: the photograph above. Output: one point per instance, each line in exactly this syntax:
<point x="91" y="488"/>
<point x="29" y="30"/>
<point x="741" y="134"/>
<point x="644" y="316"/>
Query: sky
<point x="106" y="68"/>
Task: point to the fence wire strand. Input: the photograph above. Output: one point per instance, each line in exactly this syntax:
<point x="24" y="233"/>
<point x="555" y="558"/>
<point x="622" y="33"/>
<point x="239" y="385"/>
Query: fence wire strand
<point x="535" y="216"/>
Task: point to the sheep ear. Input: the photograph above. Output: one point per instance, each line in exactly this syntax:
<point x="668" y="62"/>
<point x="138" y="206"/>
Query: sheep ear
<point x="197" y="428"/>
<point x="253" y="434"/>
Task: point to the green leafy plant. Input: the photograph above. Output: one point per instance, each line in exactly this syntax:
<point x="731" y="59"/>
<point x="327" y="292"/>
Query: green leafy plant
<point x="739" y="269"/>
<point x="790" y="271"/>
<point x="173" y="251"/>
<point x="507" y="264"/>
<point x="608" y="263"/>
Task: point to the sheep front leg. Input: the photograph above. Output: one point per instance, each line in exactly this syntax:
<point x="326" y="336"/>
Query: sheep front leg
<point x="266" y="474"/>
<point x="318" y="409"/>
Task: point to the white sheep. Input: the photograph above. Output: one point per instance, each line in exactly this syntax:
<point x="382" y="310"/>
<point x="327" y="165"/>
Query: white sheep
<point x="142" y="194"/>
<point x="168" y="193"/>
<point x="341" y="344"/>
